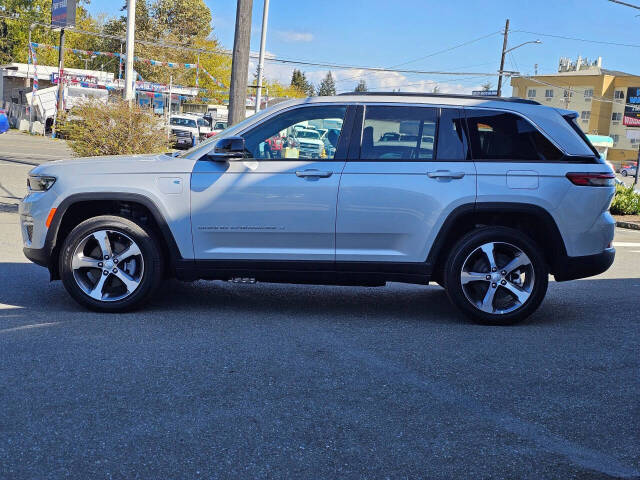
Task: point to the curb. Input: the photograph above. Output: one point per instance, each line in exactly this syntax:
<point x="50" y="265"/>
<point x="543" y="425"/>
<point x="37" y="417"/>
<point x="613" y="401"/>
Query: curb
<point x="629" y="225"/>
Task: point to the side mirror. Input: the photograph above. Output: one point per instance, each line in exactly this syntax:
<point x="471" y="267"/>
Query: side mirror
<point x="229" y="148"/>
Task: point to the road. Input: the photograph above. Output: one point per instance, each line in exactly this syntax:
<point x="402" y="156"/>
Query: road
<point x="215" y="380"/>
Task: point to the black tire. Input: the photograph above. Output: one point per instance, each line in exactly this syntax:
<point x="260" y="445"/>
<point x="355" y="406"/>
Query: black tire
<point x="623" y="173"/>
<point x="507" y="237"/>
<point x="149" y="279"/>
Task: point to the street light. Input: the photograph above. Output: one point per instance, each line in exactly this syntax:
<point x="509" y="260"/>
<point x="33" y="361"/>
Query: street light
<point x="537" y="42"/>
<point x="504" y="53"/>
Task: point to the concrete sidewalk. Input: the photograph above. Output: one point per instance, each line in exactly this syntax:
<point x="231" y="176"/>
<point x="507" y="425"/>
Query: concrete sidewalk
<point x="22" y="148"/>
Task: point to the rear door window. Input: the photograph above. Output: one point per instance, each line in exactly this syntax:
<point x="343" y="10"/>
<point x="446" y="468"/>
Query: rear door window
<point x="399" y="133"/>
<point x="503" y="136"/>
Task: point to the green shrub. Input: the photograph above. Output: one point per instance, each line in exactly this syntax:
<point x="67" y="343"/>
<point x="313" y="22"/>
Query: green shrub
<point x="625" y="201"/>
<point x="95" y="128"/>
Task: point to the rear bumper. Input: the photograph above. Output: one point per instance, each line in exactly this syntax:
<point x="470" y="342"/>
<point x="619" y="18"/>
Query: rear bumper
<point x="572" y="268"/>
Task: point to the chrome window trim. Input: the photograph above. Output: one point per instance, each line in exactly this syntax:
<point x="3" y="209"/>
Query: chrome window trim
<point x="276" y="113"/>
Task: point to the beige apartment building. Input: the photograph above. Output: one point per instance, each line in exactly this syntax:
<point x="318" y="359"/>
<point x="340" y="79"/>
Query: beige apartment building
<point x="605" y="100"/>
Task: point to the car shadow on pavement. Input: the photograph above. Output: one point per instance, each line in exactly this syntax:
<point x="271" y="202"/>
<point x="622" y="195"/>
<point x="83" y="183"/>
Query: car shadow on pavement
<point x="26" y="295"/>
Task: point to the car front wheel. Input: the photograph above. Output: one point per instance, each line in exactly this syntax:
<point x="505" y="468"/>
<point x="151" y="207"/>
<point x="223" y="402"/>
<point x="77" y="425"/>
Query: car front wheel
<point x="496" y="275"/>
<point x="110" y="264"/>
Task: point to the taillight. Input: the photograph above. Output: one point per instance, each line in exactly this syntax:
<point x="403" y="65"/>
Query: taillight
<point x="592" y="179"/>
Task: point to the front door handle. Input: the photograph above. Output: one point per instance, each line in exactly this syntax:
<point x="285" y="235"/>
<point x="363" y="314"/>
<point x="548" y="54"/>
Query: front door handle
<point x="313" y="173"/>
<point x="445" y="174"/>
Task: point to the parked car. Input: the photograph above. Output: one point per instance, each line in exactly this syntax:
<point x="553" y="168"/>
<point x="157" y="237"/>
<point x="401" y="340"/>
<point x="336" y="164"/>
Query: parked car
<point x="4" y="121"/>
<point x="628" y="170"/>
<point x="217" y="128"/>
<point x="506" y="193"/>
<point x="308" y="142"/>
<point x="196" y="127"/>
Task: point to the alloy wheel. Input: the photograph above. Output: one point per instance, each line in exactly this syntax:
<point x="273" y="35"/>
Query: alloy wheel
<point x="107" y="265"/>
<point x="497" y="278"/>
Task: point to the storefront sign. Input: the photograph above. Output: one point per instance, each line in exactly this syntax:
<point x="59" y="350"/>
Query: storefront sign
<point x="63" y="13"/>
<point x="632" y="109"/>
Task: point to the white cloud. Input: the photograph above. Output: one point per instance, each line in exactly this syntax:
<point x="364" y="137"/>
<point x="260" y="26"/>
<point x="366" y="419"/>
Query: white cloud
<point x="292" y="36"/>
<point x="347" y="79"/>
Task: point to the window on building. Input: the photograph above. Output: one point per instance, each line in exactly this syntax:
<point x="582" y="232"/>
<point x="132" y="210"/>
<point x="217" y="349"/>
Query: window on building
<point x="399" y="133"/>
<point x="588" y="93"/>
<point x="616" y="138"/>
<point x="505" y="136"/>
<point x="619" y="95"/>
<point x="586" y="115"/>
<point x="568" y="94"/>
<point x="531" y="93"/>
<point x="616" y="117"/>
<point x="548" y="93"/>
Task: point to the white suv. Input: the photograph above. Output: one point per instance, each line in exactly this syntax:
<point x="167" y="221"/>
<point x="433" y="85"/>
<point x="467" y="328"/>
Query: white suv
<point x="484" y="196"/>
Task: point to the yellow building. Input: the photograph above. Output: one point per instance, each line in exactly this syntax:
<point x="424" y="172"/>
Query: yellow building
<point x="605" y="100"/>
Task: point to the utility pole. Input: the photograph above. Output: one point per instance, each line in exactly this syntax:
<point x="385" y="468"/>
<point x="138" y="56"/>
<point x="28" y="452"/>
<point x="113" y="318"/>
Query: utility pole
<point x="263" y="39"/>
<point x="128" y="73"/>
<point x="635" y="182"/>
<point x="504" y="53"/>
<point x="31" y="27"/>
<point x="240" y="62"/>
<point x="60" y="105"/>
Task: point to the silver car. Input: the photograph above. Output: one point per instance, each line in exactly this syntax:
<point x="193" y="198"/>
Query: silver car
<point x="485" y="196"/>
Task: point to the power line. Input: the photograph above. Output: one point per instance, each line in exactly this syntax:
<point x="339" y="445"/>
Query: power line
<point x="270" y="59"/>
<point x="575" y="39"/>
<point x="449" y="49"/>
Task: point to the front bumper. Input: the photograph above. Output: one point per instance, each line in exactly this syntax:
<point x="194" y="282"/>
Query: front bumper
<point x="39" y="256"/>
<point x="572" y="268"/>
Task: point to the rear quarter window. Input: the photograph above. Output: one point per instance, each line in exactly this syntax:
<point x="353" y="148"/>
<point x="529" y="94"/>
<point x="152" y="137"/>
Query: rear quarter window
<point x="504" y="136"/>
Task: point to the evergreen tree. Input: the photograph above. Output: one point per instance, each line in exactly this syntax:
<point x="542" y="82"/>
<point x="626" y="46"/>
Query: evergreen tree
<point x="362" y="86"/>
<point x="299" y="82"/>
<point x="327" y="86"/>
<point x="487" y="86"/>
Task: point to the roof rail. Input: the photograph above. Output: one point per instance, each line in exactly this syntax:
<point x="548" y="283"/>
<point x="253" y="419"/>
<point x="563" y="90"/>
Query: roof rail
<point x="444" y="95"/>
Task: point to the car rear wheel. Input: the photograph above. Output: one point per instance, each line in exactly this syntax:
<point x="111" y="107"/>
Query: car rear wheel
<point x="496" y="276"/>
<point x="623" y="173"/>
<point x="110" y="264"/>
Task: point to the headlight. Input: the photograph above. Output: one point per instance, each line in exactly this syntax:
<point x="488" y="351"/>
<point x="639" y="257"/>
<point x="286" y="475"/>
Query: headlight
<point x="40" y="183"/>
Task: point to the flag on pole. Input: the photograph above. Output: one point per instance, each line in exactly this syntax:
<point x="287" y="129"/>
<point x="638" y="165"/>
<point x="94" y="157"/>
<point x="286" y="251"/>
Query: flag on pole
<point x="34" y="62"/>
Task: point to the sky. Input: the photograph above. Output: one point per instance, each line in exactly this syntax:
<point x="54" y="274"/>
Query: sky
<point x="412" y="33"/>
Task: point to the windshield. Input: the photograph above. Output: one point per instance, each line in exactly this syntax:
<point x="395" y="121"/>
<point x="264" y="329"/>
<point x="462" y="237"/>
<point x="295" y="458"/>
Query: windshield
<point x="308" y="134"/>
<point x="221" y="125"/>
<point x="183" y="122"/>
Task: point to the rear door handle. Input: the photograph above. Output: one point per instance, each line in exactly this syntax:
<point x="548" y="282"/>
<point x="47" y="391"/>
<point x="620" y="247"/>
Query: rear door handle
<point x="313" y="173"/>
<point x="445" y="174"/>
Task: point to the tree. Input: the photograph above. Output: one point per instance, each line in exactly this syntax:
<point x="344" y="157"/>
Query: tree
<point x="301" y="84"/>
<point x="361" y="86"/>
<point x="327" y="86"/>
<point x="487" y="86"/>
<point x="113" y="128"/>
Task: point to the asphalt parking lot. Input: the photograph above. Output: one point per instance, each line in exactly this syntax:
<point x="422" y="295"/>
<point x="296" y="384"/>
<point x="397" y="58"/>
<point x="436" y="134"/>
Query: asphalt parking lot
<point x="214" y="380"/>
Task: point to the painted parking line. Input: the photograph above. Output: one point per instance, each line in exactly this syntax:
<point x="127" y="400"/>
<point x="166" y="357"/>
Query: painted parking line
<point x="626" y="244"/>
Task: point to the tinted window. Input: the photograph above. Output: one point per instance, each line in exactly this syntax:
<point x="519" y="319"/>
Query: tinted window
<point x="506" y="136"/>
<point x="398" y="133"/>
<point x="452" y="141"/>
<point x="297" y="128"/>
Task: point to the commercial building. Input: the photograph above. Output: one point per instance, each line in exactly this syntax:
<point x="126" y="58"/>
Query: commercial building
<point x="608" y="101"/>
